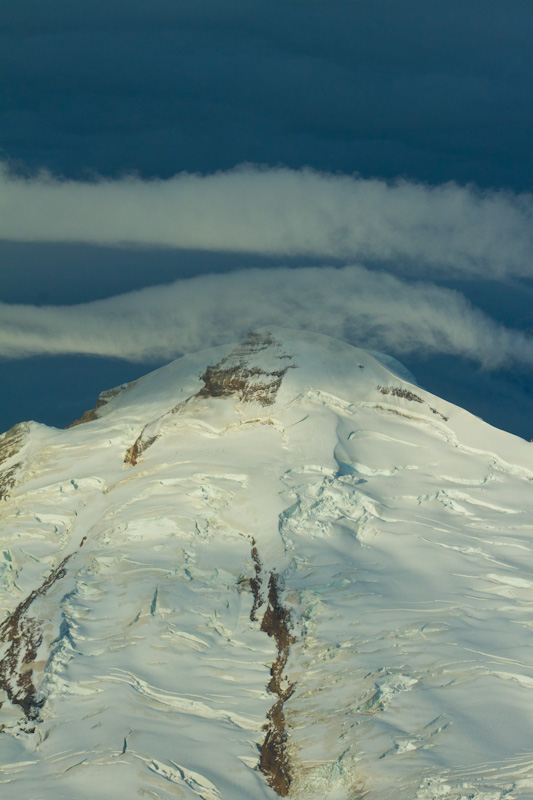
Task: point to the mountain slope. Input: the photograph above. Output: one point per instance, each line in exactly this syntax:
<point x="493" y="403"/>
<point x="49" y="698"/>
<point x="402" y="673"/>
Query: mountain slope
<point x="271" y="569"/>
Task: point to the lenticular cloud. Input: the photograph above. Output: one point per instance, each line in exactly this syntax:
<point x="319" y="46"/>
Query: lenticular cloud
<point x="367" y="308"/>
<point x="416" y="229"/>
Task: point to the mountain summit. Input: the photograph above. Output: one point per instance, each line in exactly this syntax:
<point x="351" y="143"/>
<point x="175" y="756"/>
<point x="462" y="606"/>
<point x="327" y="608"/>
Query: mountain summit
<point x="278" y="568"/>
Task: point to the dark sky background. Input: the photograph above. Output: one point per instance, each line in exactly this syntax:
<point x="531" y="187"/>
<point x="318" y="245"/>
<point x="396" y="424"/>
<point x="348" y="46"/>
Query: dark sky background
<point x="436" y="90"/>
<point x="430" y="92"/>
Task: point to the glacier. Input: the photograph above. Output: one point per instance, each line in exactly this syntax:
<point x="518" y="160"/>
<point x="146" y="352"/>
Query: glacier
<point x="274" y="568"/>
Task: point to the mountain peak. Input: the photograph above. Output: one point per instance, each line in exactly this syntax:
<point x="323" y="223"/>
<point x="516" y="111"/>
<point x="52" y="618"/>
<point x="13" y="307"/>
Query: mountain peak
<point x="253" y="370"/>
<point x="274" y="568"/>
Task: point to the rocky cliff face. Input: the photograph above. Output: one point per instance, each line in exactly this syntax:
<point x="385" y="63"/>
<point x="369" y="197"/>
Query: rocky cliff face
<point x="273" y="569"/>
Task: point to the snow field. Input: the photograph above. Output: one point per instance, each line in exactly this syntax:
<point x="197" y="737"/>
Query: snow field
<point x="402" y="544"/>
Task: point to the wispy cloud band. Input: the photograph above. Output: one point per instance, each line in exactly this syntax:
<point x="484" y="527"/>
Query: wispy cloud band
<point x="414" y="228"/>
<point x="368" y="308"/>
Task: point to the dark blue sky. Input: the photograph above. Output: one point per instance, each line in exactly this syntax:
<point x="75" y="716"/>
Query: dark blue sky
<point x="429" y="91"/>
<point x="435" y="91"/>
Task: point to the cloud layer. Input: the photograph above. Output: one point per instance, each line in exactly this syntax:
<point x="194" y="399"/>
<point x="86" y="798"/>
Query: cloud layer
<point x="368" y="308"/>
<point x="433" y="231"/>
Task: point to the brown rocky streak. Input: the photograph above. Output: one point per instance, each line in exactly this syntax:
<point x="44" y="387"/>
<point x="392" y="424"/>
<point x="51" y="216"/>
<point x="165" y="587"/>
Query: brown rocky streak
<point x="102" y="400"/>
<point x="233" y="376"/>
<point x="255" y="582"/>
<point x="397" y="391"/>
<point x="11" y="444"/>
<point x="8" y="479"/>
<point x="274" y="760"/>
<point x="24" y="635"/>
<point x="137" y="449"/>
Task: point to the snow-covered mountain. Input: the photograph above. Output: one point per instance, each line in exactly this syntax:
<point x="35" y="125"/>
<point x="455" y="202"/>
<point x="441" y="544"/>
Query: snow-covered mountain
<point x="279" y="568"/>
